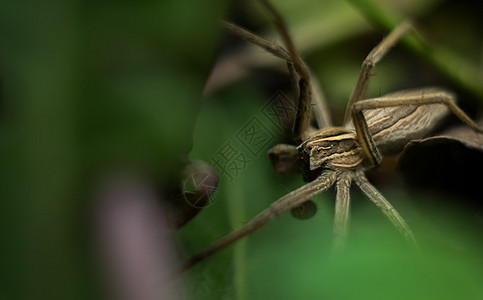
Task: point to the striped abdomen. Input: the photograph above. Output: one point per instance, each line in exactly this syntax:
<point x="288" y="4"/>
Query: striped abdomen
<point x="393" y="127"/>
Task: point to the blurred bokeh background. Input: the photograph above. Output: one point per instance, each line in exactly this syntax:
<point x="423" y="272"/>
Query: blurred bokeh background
<point x="98" y="104"/>
<point x="102" y="108"/>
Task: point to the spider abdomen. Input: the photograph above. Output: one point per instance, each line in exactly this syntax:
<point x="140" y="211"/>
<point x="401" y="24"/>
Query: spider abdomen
<point x="393" y="127"/>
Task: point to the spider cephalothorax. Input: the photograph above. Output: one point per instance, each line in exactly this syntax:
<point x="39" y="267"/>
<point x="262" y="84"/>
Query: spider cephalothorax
<point x="331" y="148"/>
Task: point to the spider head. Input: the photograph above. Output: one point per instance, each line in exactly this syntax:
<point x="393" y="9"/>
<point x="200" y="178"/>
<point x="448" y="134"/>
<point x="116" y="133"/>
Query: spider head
<point x="331" y="148"/>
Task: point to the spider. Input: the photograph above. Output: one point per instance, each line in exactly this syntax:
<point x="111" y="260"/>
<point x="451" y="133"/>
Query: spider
<point x="341" y="155"/>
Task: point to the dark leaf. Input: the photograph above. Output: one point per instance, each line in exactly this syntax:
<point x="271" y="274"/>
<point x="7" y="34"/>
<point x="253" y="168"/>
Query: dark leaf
<point x="449" y="162"/>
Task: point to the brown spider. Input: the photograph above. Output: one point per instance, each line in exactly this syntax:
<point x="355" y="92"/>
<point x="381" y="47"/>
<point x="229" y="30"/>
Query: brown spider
<point x="341" y="154"/>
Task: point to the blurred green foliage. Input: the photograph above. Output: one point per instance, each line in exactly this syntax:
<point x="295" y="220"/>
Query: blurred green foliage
<point x="88" y="88"/>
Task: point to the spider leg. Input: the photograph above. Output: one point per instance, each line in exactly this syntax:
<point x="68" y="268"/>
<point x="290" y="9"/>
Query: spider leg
<point x="292" y="199"/>
<point x="301" y="127"/>
<point x="256" y="40"/>
<point x="321" y="110"/>
<point x="386" y="207"/>
<point x="342" y="209"/>
<point x="318" y="100"/>
<point x="370" y="63"/>
<point x="368" y="144"/>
